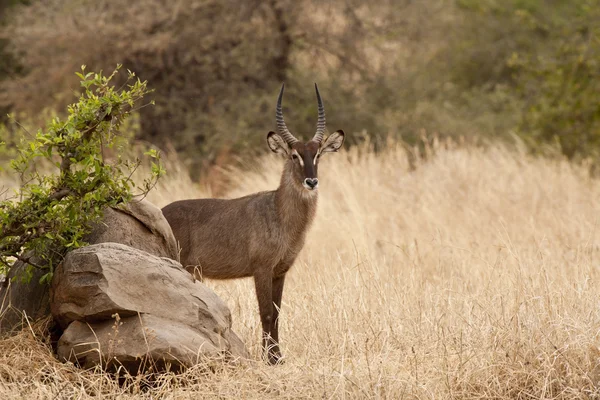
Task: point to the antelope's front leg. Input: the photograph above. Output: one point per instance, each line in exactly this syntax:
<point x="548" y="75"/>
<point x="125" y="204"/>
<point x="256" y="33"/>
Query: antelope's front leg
<point x="277" y="295"/>
<point x="263" y="281"/>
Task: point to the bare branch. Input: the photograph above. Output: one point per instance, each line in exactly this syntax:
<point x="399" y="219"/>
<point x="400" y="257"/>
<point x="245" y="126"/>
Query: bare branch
<point x="22" y="127"/>
<point x="60" y="194"/>
<point x="27" y="260"/>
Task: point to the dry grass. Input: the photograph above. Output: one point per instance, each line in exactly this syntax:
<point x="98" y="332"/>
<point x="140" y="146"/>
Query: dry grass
<point x="474" y="276"/>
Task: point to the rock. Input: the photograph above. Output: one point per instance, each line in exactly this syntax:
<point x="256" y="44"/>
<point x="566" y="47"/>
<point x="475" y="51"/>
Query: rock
<point x="95" y="282"/>
<point x="19" y="299"/>
<point x="137" y="224"/>
<point x="136" y="343"/>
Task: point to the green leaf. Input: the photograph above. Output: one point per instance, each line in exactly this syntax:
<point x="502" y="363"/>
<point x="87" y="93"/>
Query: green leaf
<point x="46" y="278"/>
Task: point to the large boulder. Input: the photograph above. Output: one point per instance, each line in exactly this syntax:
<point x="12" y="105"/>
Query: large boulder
<point x="135" y="343"/>
<point x="96" y="282"/>
<point x="138" y="224"/>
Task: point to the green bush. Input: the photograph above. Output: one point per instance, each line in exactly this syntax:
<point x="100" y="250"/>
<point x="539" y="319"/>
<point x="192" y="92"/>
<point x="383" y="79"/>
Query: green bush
<point x="547" y="52"/>
<point x="561" y="84"/>
<point x="52" y="213"/>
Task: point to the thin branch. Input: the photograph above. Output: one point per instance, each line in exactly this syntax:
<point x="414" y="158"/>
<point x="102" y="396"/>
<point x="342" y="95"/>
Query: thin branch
<point x="60" y="194"/>
<point x="65" y="165"/>
<point x="27" y="260"/>
<point x="22" y="127"/>
<point x="138" y="162"/>
<point x="140" y="107"/>
<point x="3" y="192"/>
<point x="124" y="84"/>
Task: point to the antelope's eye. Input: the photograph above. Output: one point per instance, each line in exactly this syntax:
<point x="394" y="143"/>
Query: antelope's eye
<point x="294" y="156"/>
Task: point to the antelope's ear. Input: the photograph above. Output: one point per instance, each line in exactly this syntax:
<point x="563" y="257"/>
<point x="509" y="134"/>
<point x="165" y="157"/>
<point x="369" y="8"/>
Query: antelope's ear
<point x="333" y="142"/>
<point x="277" y="144"/>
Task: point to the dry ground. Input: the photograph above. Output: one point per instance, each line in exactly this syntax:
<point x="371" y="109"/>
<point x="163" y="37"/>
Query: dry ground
<point x="473" y="276"/>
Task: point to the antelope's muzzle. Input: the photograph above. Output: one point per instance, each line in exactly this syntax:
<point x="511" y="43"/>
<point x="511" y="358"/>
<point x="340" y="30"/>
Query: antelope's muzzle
<point x="311" y="183"/>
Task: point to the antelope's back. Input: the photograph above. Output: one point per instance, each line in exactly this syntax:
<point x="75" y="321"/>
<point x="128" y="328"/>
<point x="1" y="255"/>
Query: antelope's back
<point x="222" y="236"/>
<point x="196" y="222"/>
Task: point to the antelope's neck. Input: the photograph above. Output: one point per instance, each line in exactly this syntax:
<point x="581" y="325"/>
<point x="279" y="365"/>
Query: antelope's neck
<point x="295" y="205"/>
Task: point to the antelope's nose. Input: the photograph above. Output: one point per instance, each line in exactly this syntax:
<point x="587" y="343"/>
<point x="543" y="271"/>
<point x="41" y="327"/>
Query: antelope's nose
<point x="311" y="183"/>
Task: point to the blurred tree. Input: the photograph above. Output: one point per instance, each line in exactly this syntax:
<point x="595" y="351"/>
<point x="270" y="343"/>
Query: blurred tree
<point x="388" y="67"/>
<point x="209" y="61"/>
<point x="561" y="83"/>
<point x="8" y="64"/>
<point x="217" y="65"/>
<point x="548" y="52"/>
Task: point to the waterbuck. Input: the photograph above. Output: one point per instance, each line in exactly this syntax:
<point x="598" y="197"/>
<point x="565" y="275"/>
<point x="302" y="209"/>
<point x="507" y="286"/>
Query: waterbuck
<point x="259" y="235"/>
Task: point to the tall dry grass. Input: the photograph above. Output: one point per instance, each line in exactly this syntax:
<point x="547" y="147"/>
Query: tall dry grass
<point x="473" y="276"/>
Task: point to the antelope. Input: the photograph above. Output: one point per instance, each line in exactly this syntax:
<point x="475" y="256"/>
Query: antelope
<point x="259" y="235"/>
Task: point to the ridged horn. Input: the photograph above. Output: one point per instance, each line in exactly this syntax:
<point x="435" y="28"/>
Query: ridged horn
<point x="282" y="129"/>
<point x="321" y="119"/>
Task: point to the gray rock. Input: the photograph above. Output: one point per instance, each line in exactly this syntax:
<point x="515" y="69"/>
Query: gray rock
<point x="138" y="224"/>
<point x="139" y="343"/>
<point x="95" y="282"/>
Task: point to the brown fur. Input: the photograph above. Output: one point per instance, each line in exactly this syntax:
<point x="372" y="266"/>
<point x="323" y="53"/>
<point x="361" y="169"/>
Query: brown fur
<point x="259" y="235"/>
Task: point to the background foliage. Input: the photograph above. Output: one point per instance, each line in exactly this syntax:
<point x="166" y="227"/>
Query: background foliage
<point x="471" y="68"/>
<point x="467" y="68"/>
